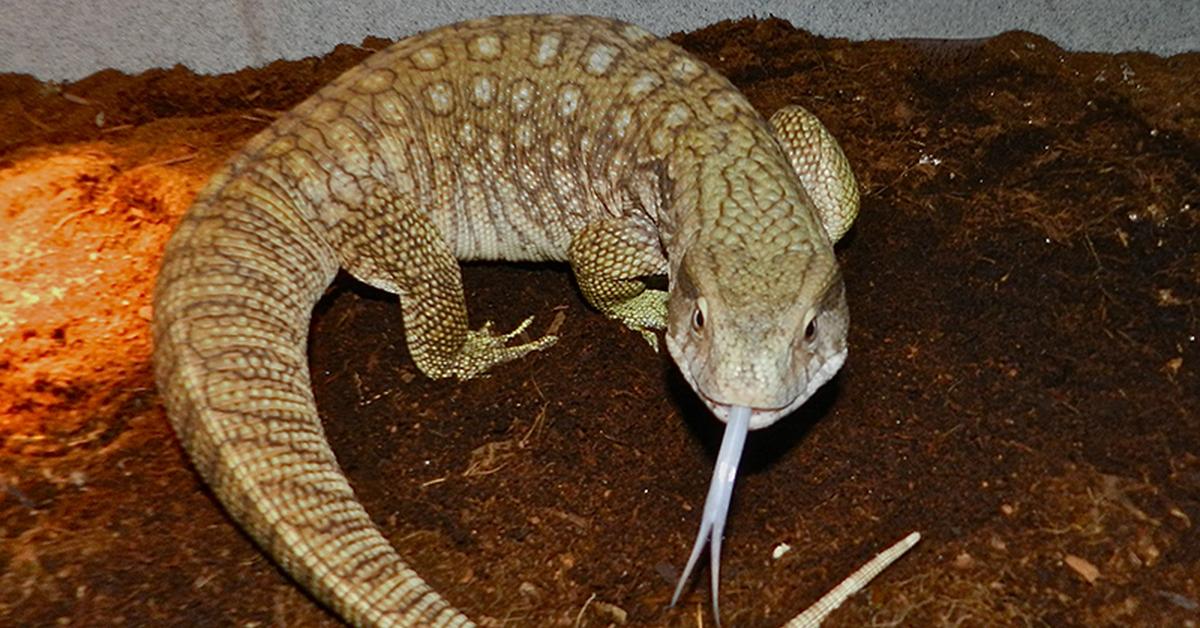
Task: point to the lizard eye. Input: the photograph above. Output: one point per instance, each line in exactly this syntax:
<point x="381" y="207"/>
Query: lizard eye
<point x="810" y="331"/>
<point x="698" y="317"/>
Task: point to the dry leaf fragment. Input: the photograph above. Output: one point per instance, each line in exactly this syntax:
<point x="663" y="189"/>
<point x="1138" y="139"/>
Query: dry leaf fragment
<point x="1085" y="569"/>
<point x="1171" y="368"/>
<point x="615" y="613"/>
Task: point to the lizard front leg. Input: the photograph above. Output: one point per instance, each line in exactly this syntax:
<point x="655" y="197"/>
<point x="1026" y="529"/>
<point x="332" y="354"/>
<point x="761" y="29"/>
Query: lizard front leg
<point x="609" y="258"/>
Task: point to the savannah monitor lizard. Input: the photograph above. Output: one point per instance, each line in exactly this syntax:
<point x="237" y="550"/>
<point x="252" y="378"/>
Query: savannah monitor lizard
<point x="577" y="139"/>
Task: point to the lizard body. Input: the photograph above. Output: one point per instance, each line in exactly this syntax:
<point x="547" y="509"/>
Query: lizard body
<point x="515" y="138"/>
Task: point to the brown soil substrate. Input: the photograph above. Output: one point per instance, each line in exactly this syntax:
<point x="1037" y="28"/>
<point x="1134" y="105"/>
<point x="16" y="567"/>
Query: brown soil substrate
<point x="1025" y="286"/>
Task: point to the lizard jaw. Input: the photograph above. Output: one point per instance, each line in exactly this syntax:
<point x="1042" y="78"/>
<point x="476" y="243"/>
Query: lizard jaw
<point x="761" y="417"/>
<point x="716" y="505"/>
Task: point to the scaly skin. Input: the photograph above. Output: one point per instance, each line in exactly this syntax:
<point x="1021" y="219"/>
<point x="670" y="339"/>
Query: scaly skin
<point x="514" y="138"/>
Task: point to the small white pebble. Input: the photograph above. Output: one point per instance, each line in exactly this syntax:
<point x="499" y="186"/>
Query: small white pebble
<point x="780" y="550"/>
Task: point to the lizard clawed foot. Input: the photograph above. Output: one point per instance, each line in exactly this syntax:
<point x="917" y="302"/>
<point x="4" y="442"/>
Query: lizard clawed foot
<point x="646" y="313"/>
<point x="484" y="349"/>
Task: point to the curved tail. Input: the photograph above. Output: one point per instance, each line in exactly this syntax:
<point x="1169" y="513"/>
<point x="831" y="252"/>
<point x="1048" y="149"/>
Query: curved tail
<point x="232" y="306"/>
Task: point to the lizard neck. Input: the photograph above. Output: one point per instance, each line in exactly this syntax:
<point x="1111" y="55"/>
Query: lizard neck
<point x="732" y="191"/>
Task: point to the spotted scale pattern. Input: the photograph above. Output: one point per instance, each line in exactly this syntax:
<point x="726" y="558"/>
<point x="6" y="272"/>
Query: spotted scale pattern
<point x="566" y="138"/>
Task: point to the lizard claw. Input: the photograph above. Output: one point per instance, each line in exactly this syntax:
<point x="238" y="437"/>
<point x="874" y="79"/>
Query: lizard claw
<point x="484" y="349"/>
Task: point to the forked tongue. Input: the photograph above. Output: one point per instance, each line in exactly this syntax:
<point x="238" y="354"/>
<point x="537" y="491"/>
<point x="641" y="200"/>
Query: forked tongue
<point x="716" y="505"/>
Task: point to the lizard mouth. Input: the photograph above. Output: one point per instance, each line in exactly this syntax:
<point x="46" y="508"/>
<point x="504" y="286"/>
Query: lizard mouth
<point x="759" y="417"/>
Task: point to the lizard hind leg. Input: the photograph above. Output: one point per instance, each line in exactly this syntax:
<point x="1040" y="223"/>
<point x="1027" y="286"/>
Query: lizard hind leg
<point x="608" y="257"/>
<point x="407" y="255"/>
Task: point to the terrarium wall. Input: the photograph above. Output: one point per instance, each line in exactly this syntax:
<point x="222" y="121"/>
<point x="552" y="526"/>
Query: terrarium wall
<point x="70" y="39"/>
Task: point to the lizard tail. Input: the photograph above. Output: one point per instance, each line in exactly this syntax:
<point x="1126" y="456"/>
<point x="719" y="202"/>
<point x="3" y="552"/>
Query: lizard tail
<point x="232" y="305"/>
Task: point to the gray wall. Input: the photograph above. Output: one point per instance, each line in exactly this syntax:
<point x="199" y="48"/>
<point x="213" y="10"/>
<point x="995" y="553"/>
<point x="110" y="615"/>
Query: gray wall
<point x="69" y="39"/>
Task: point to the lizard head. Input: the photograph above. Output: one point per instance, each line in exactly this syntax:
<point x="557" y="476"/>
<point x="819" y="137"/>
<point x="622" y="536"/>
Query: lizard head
<point x="763" y="332"/>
